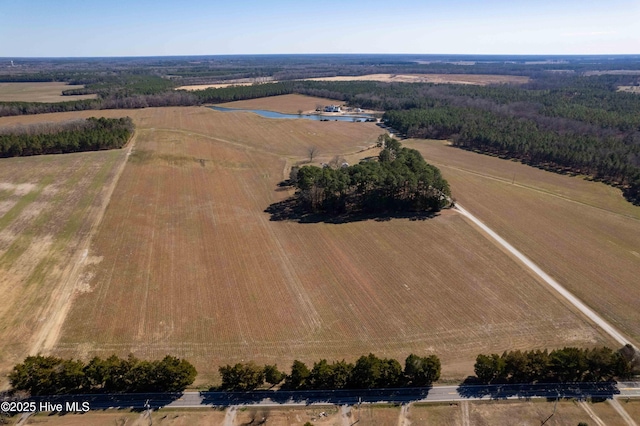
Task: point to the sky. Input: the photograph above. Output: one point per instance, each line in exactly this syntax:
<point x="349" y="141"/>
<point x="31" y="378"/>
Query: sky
<point x="85" y="28"/>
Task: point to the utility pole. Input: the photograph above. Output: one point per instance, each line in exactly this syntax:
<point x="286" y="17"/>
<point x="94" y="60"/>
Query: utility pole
<point x="554" y="410"/>
<point x="147" y="406"/>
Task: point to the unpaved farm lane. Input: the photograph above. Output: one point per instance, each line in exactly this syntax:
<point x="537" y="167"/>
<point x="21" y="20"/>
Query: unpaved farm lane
<point x="608" y="328"/>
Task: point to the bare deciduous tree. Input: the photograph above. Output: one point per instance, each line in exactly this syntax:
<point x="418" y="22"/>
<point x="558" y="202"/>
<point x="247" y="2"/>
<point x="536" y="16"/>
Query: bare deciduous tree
<point x="312" y="151"/>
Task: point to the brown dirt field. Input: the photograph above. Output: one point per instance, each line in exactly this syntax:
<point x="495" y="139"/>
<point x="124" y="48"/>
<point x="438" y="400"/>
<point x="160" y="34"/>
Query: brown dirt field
<point x="286" y="104"/>
<point x="612" y="72"/>
<point x="607" y="413"/>
<point x="235" y="82"/>
<point x="531" y="413"/>
<point x="288" y="416"/>
<point x="289" y="139"/>
<point x="373" y="415"/>
<point x="472" y="79"/>
<point x="632" y="407"/>
<point x="39" y="92"/>
<point x="521" y="413"/>
<point x="218" y="85"/>
<point x="55" y="200"/>
<point x="187" y="262"/>
<point x="584" y="234"/>
<point x="444" y="414"/>
<point x="164" y="417"/>
<point x="630" y="89"/>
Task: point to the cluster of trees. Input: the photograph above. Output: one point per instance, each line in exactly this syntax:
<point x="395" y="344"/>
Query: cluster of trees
<point x="560" y="365"/>
<point x="399" y="181"/>
<point x="368" y="372"/>
<point x="28" y="108"/>
<point x="91" y="134"/>
<point x="48" y="375"/>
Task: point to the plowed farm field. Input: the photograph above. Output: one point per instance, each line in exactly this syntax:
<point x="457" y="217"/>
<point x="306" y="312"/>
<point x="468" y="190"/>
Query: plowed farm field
<point x="472" y="79"/>
<point x="582" y="233"/>
<point x="48" y="208"/>
<point x="186" y="261"/>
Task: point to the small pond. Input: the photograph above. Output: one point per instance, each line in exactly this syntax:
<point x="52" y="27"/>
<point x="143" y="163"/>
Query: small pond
<point x="315" y="117"/>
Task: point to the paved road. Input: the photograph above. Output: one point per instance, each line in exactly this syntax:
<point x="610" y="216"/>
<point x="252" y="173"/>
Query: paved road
<point x="608" y="328"/>
<point x="349" y="397"/>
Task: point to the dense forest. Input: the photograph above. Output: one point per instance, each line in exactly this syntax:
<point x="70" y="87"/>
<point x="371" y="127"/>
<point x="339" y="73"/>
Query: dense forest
<point x="400" y="180"/>
<point x="48" y="375"/>
<point x="92" y="134"/>
<point x="560" y="365"/>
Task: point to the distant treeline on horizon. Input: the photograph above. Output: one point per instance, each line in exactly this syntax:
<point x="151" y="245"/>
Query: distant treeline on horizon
<point x="562" y="120"/>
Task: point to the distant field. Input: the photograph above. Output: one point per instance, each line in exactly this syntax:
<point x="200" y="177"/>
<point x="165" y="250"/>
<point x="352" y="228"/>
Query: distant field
<point x="584" y="234"/>
<point x="219" y="85"/>
<point x="239" y="82"/>
<point x="286" y="104"/>
<point x="187" y="262"/>
<point x="38" y="92"/>
<point x="630" y="89"/>
<point x="213" y="86"/>
<point x="473" y="79"/>
<point x="613" y="72"/>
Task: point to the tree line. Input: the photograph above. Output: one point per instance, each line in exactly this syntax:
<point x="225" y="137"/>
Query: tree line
<point x="134" y="101"/>
<point x="561" y="365"/>
<point x="92" y="134"/>
<point x="612" y="159"/>
<point x="48" y="375"/>
<point x="400" y="180"/>
<point x="368" y="372"/>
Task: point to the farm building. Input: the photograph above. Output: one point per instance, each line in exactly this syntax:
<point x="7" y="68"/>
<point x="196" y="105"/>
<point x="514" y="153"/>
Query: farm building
<point x="332" y="108"/>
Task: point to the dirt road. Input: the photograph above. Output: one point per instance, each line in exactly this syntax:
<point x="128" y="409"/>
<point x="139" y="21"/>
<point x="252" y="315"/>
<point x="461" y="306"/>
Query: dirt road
<point x="608" y="328"/>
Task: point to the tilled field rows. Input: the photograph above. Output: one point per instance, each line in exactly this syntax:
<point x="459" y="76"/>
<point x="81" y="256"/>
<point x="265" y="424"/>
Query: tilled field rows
<point x="50" y="204"/>
<point x="192" y="265"/>
<point x="581" y="233"/>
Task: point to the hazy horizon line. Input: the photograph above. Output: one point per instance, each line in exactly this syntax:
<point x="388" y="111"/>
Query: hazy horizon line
<point x="468" y="55"/>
